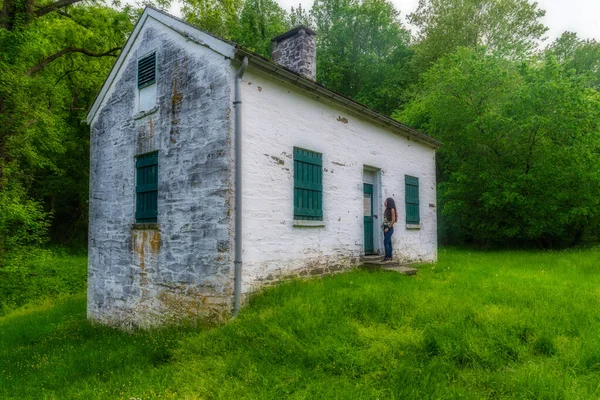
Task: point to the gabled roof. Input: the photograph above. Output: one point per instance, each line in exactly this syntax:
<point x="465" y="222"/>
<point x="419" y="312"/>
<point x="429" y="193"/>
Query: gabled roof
<point x="234" y="51"/>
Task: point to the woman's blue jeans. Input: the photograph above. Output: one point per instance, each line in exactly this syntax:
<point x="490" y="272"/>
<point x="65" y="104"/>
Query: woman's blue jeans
<point x="387" y="242"/>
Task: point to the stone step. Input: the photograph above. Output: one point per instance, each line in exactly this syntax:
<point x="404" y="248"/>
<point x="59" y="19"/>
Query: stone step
<point x="379" y="263"/>
<point x="374" y="257"/>
<point x="402" y="269"/>
<point x="394" y="266"/>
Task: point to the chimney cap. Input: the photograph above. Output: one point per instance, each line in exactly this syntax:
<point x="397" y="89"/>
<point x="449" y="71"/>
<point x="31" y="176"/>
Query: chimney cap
<point x="293" y="32"/>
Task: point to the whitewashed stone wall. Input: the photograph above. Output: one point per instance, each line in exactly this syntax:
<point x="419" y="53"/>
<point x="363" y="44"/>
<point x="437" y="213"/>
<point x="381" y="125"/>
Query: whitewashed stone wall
<point x="141" y="277"/>
<point x="184" y="265"/>
<point x="277" y="117"/>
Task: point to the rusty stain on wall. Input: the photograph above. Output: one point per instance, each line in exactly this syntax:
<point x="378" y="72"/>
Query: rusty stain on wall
<point x="146" y="246"/>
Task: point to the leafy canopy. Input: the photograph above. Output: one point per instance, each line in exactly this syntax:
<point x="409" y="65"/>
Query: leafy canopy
<point x="521" y="144"/>
<point x="51" y="68"/>
<point x="509" y="28"/>
<point x="363" y="51"/>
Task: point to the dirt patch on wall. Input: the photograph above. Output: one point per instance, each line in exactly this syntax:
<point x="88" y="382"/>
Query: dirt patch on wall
<point x="313" y="267"/>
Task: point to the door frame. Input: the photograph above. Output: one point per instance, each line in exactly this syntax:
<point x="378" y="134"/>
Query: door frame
<point x="377" y="207"/>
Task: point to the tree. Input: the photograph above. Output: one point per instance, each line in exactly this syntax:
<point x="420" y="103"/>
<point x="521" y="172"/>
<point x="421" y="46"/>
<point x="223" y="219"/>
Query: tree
<point x="362" y="51"/>
<point x="362" y="48"/>
<point x="520" y="160"/>
<point x="260" y="21"/>
<point x="299" y="16"/>
<point x="55" y="58"/>
<point x="250" y="23"/>
<point x="508" y="28"/>
<point x="582" y="56"/>
<point x="220" y="17"/>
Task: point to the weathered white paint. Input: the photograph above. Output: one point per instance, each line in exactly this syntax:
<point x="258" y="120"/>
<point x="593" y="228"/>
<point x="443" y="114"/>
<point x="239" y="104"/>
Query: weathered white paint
<point x="147" y="98"/>
<point x="277" y="116"/>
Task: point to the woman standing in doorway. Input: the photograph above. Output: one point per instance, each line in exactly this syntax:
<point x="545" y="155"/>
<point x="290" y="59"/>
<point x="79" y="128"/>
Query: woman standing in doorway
<point x="390" y="216"/>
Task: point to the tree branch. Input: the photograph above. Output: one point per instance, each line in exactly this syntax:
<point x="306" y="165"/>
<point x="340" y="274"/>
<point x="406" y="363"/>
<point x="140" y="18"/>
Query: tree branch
<point x="67" y="50"/>
<point x="65" y="74"/>
<point x="54" y="6"/>
<point x="69" y="16"/>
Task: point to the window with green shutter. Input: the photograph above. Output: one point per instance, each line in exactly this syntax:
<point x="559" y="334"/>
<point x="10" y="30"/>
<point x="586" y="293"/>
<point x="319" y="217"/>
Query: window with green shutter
<point x="412" y="200"/>
<point x="147" y="71"/>
<point x="146" y="188"/>
<point x="308" y="186"/>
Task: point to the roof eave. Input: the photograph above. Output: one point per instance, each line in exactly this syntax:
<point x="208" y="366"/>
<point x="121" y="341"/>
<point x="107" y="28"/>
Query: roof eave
<point x="306" y="84"/>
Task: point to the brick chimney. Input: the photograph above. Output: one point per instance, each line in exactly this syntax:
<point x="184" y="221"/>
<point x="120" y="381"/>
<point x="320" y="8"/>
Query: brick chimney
<point x="297" y="50"/>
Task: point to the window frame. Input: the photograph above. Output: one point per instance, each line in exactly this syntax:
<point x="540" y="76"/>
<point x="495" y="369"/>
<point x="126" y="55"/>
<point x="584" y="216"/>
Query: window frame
<point x="145" y="162"/>
<point x="308" y="187"/>
<point x="412" y="201"/>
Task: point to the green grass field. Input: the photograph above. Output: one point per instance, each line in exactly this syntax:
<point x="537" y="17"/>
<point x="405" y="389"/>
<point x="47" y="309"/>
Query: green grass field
<point x="475" y="325"/>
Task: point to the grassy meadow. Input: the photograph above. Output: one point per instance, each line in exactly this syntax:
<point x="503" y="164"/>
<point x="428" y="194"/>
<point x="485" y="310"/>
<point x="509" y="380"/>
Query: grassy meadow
<point x="517" y="324"/>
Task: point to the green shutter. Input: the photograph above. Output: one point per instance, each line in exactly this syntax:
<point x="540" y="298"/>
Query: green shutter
<point x="147" y="71"/>
<point x="308" y="185"/>
<point x="412" y="200"/>
<point x="146" y="207"/>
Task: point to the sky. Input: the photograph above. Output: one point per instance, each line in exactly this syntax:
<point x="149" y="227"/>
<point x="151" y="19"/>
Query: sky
<point x="580" y="16"/>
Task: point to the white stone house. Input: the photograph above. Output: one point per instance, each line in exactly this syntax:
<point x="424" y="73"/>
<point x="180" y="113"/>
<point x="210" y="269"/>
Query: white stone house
<point x="186" y="123"/>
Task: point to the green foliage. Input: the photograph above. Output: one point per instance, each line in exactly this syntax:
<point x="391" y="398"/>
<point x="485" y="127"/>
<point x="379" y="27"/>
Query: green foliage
<point x="509" y="28"/>
<point x="260" y="21"/>
<point x="218" y="17"/>
<point x="363" y="51"/>
<point x="22" y="221"/>
<point x="34" y="274"/>
<point x="475" y="325"/>
<point x="362" y="48"/>
<point x="299" y="16"/>
<point x="46" y="85"/>
<point x="250" y="23"/>
<point x="521" y="143"/>
<point x="582" y="56"/>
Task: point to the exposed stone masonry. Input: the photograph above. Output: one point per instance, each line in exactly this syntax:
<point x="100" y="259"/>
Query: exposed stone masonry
<point x="181" y="266"/>
<point x="297" y="50"/>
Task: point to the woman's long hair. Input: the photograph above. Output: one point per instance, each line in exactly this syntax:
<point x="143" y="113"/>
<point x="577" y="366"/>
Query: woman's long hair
<point x="391" y="204"/>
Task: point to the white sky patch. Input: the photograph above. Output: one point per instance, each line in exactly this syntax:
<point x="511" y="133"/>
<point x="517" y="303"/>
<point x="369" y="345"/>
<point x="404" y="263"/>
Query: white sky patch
<point x="580" y="16"/>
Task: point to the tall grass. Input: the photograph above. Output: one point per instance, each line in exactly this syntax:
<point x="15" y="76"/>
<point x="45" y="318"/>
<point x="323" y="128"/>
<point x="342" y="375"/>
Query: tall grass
<point x="474" y="325"/>
<point x="30" y="274"/>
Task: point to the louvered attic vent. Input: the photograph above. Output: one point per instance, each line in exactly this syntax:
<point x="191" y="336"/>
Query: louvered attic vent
<point x="147" y="71"/>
